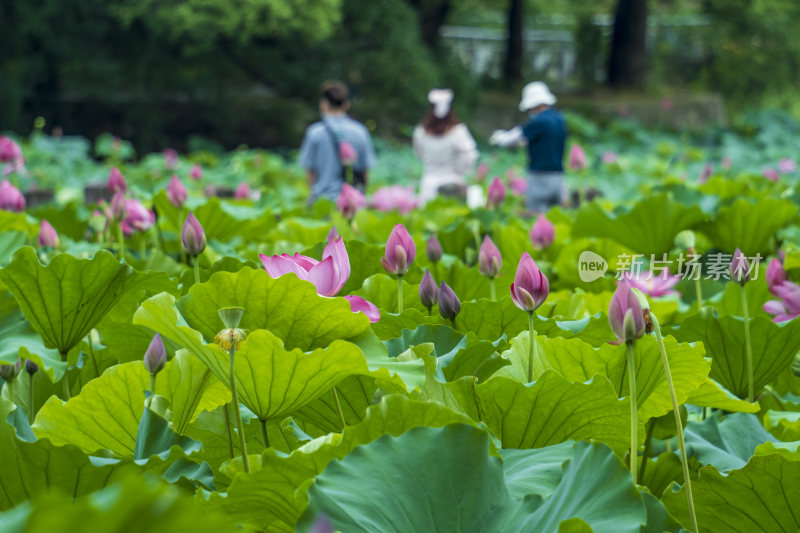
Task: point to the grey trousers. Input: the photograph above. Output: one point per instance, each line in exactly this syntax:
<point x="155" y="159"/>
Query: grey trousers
<point x="545" y="189"/>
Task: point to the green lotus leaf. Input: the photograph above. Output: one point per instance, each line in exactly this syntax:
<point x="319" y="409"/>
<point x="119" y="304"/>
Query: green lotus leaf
<point x="10" y="242"/>
<point x="223" y="221"/>
<point x="726" y="444"/>
<point x="712" y="394"/>
<point x="733" y="226"/>
<point x="381" y="290"/>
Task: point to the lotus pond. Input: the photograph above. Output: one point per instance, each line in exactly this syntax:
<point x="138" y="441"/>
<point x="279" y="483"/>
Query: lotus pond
<point x="187" y="346"/>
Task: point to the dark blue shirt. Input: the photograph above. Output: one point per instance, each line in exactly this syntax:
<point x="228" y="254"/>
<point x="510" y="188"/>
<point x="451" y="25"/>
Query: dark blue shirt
<point x="546" y="134"/>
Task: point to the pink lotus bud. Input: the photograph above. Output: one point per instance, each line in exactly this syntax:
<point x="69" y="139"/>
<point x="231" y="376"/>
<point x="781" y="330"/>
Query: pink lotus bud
<point x="30" y="367"/>
<point x="48" y="237"/>
<point x="667" y="104"/>
<point x="775" y="274"/>
<point x="625" y="314"/>
<point x="176" y="192"/>
<point x="347" y="154"/>
<point x="609" y="157"/>
<point x="116" y="181"/>
<point x="196" y="173"/>
<point x="10" y="152"/>
<point x="787" y="165"/>
<point x="706" y="173"/>
<point x="481" y="172"/>
<point x="740" y="268"/>
<point x="10" y="197"/>
<point x="771" y="174"/>
<point x="542" y="233"/>
<point x="519" y="186"/>
<point x="10" y="372"/>
<point x="170" y="158"/>
<point x="496" y="193"/>
<point x="156" y="355"/>
<point x="242" y="191"/>
<point x="400" y="251"/>
<point x="489" y="259"/>
<point x="193" y="236"/>
<point x="119" y="206"/>
<point x="449" y="304"/>
<point x="350" y="201"/>
<point x="434" y="249"/>
<point x="137" y="217"/>
<point x="727" y="162"/>
<point x="530" y="287"/>
<point x="360" y="305"/>
<point x="428" y="290"/>
<point x="577" y="158"/>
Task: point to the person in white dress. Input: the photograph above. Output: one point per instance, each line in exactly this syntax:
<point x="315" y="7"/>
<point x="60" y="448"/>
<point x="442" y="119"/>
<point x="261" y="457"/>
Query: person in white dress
<point x="445" y="147"/>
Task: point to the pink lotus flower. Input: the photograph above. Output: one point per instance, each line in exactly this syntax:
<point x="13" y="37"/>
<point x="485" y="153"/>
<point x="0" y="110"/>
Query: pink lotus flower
<point x="333" y="233"/>
<point x="650" y="285"/>
<point x="176" y="192"/>
<point x="771" y="174"/>
<point x="519" y="185"/>
<point x="739" y="268"/>
<point x="11" y="153"/>
<point x="395" y="198"/>
<point x="347" y="154"/>
<point x="242" y="191"/>
<point x="428" y="290"/>
<point x="530" y="287"/>
<point x="119" y="206"/>
<point x="496" y="193"/>
<point x="625" y="314"/>
<point x="10" y="197"/>
<point x="706" y="173"/>
<point x="489" y="259"/>
<point x="170" y="158"/>
<point x="350" y="201"/>
<point x="609" y="157"/>
<point x="193" y="236"/>
<point x="328" y="275"/>
<point x="360" y="305"/>
<point x="727" y="162"/>
<point x="137" y="217"/>
<point x="156" y="355"/>
<point x="776" y="275"/>
<point x="481" y="172"/>
<point x="116" y="181"/>
<point x="787" y="165"/>
<point x="48" y="236"/>
<point x="577" y="158"/>
<point x="196" y="173"/>
<point x="449" y="304"/>
<point x="788" y="307"/>
<point x="542" y="233"/>
<point x="433" y="248"/>
<point x="400" y="251"/>
<point x="667" y="104"/>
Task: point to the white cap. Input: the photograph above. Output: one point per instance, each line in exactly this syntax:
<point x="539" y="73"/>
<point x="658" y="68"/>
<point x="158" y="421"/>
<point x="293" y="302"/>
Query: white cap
<point x="535" y="94"/>
<point x="441" y="100"/>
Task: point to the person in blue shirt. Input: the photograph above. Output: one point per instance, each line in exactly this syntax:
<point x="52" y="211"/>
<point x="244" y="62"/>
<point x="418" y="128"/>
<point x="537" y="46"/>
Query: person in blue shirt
<point x="545" y="135"/>
<point x="321" y="151"/>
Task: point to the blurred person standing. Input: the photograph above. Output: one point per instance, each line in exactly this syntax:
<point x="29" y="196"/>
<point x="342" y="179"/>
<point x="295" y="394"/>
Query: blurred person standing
<point x="337" y="148"/>
<point x="445" y="148"/>
<point x="545" y="135"/>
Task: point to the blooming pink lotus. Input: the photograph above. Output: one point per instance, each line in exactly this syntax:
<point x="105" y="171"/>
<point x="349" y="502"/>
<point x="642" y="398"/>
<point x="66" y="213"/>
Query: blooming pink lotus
<point x="176" y="192"/>
<point x="496" y="193"/>
<point x="137" y="217"/>
<point x="652" y="285"/>
<point x="350" y="201"/>
<point x="347" y="154"/>
<point x="577" y="158"/>
<point x="360" y="305"/>
<point x="116" y="181"/>
<point x="771" y="174"/>
<point x="776" y="275"/>
<point x="10" y="197"/>
<point x="530" y="287"/>
<point x="48" y="236"/>
<point x="787" y="165"/>
<point x="196" y="173"/>
<point x="788" y="306"/>
<point x="400" y="251"/>
<point x="395" y="198"/>
<point x="542" y="233"/>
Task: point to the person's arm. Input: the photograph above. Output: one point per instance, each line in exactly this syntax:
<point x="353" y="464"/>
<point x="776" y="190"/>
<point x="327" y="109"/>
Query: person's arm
<point x="311" y="177"/>
<point x="508" y="139"/>
<point x="466" y="150"/>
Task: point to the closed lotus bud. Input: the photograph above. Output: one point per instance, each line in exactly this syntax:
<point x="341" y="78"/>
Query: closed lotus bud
<point x="740" y="268"/>
<point x="10" y="197"/>
<point x="116" y="181"/>
<point x="706" y="173"/>
<point x="449" y="304"/>
<point x="434" y="249"/>
<point x="350" y="200"/>
<point x="428" y="290"/>
<point x="481" y="172"/>
<point x="156" y="355"/>
<point x="771" y="174"/>
<point x="31" y="367"/>
<point x="10" y="372"/>
<point x="625" y="314"/>
<point x="242" y="191"/>
<point x="193" y="236"/>
<point x="489" y="259"/>
<point x="577" y="158"/>
<point x="400" y="251"/>
<point x="119" y="206"/>
<point x="347" y="154"/>
<point x="170" y="158"/>
<point x="775" y="274"/>
<point x="176" y="192"/>
<point x="542" y="233"/>
<point x="196" y="173"/>
<point x="531" y="286"/>
<point x="496" y="193"/>
<point x="48" y="236"/>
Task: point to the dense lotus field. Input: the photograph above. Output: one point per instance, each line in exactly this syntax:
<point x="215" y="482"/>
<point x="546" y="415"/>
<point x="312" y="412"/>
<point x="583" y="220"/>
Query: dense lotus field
<point x="187" y="346"/>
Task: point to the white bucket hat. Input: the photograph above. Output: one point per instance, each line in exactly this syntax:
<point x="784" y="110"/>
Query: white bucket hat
<point x="535" y="94"/>
<point x="441" y="100"/>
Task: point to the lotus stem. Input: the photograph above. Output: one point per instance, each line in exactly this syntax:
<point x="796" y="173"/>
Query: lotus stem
<point x="698" y="289"/>
<point x="531" y="340"/>
<point x="338" y="407"/>
<point x="228" y="429"/>
<point x="65" y="378"/>
<point x="648" y="442"/>
<point x="634" y="409"/>
<point x="264" y="435"/>
<point x="30" y="399"/>
<point x="121" y="241"/>
<point x="492" y="290"/>
<point x="747" y="346"/>
<point x="92" y="356"/>
<point x="399" y="294"/>
<point x="678" y="424"/>
<point x="11" y="397"/>
<point x="236" y="411"/>
<point x="152" y="389"/>
<point x="196" y="270"/>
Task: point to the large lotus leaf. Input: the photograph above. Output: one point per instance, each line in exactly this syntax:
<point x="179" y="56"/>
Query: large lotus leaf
<point x="762" y="496"/>
<point x="734" y="226"/>
<point x="774" y="347"/>
<point x="785" y="425"/>
<point x="730" y="302"/>
<point x="20" y="340"/>
<point x="725" y="444"/>
<point x="10" y="242"/>
<point x="356" y="393"/>
<point x="305" y="231"/>
<point x="567" y="265"/>
<point x="553" y="410"/>
<point x="660" y="472"/>
<point x="68" y="297"/>
<point x="579" y="362"/>
<point x="69" y="220"/>
<point x="274" y="496"/>
<point x="381" y="290"/>
<point x="466" y="485"/>
<point x="288" y="307"/>
<point x="223" y="221"/>
<point x="649" y="227"/>
<point x="106" y="414"/>
<point x="712" y="394"/>
<point x="391" y="325"/>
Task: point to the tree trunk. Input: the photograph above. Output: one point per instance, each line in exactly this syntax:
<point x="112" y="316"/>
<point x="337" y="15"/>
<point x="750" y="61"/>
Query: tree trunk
<point x="627" y="61"/>
<point x="432" y="17"/>
<point x="512" y="69"/>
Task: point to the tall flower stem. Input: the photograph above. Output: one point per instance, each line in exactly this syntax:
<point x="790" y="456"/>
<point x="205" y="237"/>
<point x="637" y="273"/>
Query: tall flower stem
<point x="264" y="435"/>
<point x="236" y="411"/>
<point x="678" y="424"/>
<point x="747" y="345"/>
<point x="698" y="289"/>
<point x="152" y="388"/>
<point x="121" y="241"/>
<point x="399" y="294"/>
<point x="229" y="438"/>
<point x="196" y="267"/>
<point x="338" y="407"/>
<point x="92" y="355"/>
<point x="30" y="399"/>
<point x="532" y="340"/>
<point x="10" y="385"/>
<point x="634" y="410"/>
<point x="65" y="379"/>
<point x="492" y="290"/>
